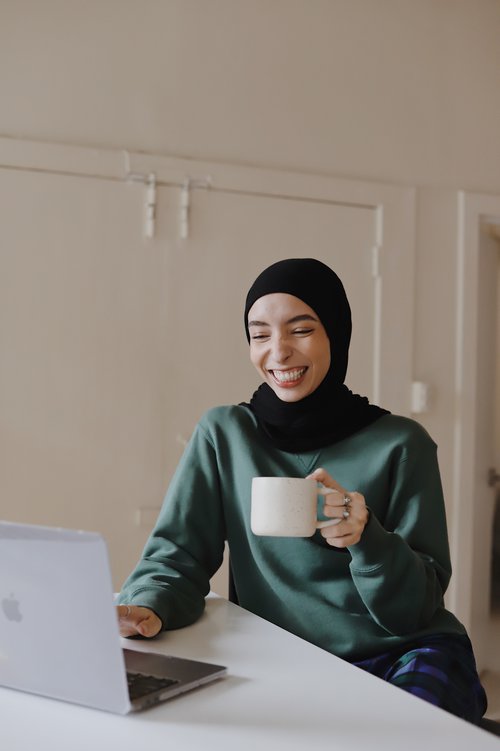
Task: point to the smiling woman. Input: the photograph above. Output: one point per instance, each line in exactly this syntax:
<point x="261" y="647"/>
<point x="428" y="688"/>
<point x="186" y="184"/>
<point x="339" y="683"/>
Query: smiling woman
<point x="369" y="587"/>
<point x="303" y="366"/>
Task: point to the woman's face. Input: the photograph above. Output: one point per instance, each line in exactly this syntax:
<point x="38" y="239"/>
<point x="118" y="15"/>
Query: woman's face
<point x="289" y="346"/>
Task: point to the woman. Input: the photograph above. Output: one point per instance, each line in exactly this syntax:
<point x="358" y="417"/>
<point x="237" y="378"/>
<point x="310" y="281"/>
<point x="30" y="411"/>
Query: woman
<point x="368" y="589"/>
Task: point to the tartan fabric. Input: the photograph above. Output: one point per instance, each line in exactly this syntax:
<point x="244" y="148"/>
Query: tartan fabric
<point x="440" y="669"/>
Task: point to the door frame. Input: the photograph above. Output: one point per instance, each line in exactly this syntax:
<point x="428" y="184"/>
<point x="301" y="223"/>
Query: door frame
<point x="473" y="210"/>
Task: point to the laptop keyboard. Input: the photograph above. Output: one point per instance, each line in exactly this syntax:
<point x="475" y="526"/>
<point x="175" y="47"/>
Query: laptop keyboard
<point x="142" y="685"/>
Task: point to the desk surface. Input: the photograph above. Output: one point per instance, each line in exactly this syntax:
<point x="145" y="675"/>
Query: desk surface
<point x="281" y="693"/>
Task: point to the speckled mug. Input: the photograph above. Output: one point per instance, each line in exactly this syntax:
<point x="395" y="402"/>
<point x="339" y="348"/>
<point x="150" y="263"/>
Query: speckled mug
<point x="286" y="507"/>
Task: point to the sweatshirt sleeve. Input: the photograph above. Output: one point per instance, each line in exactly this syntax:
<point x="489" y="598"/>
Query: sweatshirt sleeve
<point x="401" y="566"/>
<point x="186" y="546"/>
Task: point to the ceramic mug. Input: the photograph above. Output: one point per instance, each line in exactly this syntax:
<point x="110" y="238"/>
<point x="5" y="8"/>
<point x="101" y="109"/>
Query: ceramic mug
<point x="286" y="506"/>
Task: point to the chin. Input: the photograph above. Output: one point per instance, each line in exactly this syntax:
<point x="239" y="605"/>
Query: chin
<point x="288" y="396"/>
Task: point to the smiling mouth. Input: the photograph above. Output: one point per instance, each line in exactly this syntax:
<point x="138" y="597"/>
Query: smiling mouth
<point x="288" y="377"/>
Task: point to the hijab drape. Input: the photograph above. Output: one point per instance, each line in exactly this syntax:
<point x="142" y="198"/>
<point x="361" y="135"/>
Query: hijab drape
<point x="332" y="412"/>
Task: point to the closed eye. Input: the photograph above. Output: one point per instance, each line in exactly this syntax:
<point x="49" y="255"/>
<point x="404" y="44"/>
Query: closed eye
<point x="302" y="332"/>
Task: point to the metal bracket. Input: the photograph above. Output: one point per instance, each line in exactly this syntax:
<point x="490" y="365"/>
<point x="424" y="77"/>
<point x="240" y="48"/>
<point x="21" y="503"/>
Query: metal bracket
<point x="185" y="202"/>
<point x="149" y="180"/>
<point x="149" y="201"/>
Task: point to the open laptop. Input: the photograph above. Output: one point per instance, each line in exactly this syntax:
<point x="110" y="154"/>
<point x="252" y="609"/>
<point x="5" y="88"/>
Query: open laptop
<point x="59" y="633"/>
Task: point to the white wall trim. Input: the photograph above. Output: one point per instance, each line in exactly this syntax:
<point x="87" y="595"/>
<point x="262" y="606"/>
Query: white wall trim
<point x="472" y="209"/>
<point x="111" y="164"/>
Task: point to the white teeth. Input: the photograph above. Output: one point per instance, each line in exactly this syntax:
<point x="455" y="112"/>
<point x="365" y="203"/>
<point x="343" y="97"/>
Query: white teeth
<point x="285" y="376"/>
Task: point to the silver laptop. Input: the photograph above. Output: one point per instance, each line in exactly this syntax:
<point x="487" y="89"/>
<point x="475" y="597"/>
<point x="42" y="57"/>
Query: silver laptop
<point x="59" y="632"/>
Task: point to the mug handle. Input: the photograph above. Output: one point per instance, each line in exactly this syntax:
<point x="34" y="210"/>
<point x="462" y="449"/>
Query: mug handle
<point x="330" y="522"/>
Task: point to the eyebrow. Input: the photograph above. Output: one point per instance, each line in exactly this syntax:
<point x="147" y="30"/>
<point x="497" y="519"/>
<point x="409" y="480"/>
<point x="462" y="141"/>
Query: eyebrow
<point x="295" y="319"/>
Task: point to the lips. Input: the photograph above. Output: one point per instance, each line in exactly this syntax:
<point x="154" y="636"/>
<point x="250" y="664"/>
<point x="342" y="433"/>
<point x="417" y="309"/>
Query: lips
<point x="288" y="377"/>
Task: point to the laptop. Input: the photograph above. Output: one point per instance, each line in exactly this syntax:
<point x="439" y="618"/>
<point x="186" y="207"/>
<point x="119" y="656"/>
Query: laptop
<point x="59" y="634"/>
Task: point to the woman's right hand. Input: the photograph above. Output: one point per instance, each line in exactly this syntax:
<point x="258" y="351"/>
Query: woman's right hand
<point x="135" y="620"/>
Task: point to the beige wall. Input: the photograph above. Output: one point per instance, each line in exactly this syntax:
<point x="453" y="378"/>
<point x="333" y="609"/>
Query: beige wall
<point x="402" y="91"/>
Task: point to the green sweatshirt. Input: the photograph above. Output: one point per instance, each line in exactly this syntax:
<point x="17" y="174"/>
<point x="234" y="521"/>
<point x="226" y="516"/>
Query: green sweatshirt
<point x="358" y="602"/>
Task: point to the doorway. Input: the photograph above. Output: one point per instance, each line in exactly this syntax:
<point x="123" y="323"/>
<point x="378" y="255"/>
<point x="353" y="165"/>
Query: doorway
<point x="494" y="232"/>
<point x="476" y="425"/>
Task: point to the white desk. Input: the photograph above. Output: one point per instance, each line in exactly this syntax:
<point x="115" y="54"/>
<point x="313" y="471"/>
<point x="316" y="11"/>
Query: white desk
<point x="281" y="693"/>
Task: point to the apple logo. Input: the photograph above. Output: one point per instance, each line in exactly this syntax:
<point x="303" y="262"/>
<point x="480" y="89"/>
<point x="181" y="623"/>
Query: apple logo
<point x="10" y="607"/>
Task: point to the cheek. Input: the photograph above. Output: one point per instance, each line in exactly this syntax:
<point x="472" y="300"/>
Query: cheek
<point x="254" y="358"/>
<point x="324" y="360"/>
<point x="326" y="365"/>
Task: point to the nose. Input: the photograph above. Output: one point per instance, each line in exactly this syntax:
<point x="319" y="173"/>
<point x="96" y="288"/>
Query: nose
<point x="281" y="350"/>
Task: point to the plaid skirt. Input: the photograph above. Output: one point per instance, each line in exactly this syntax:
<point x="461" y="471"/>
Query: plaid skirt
<point x="440" y="669"/>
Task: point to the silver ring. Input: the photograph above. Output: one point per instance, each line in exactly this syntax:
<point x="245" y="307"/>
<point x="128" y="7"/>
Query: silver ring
<point x="346" y="514"/>
<point x="346" y="500"/>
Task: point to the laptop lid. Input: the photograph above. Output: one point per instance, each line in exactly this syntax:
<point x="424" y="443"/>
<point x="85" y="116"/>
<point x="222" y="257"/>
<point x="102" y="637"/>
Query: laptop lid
<point x="59" y="633"/>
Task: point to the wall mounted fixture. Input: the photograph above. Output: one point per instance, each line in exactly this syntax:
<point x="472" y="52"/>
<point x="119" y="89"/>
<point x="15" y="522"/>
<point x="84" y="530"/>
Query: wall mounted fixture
<point x="185" y="202"/>
<point x="149" y="180"/>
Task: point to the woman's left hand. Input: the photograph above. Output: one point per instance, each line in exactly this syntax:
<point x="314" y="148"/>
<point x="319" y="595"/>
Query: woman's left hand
<point x="349" y="530"/>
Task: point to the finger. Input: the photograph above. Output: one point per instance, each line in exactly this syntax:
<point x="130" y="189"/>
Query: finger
<point x="335" y="500"/>
<point x="348" y="532"/>
<point x="123" y="611"/>
<point x="338" y="529"/>
<point x="149" y="626"/>
<point x="342" y="542"/>
<point x="138" y="620"/>
<point x="321" y="475"/>
<point x="342" y="537"/>
<point x="336" y="513"/>
<point x="126" y="620"/>
<point x="133" y="614"/>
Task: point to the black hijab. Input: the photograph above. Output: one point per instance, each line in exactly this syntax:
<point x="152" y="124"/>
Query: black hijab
<point x="332" y="412"/>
